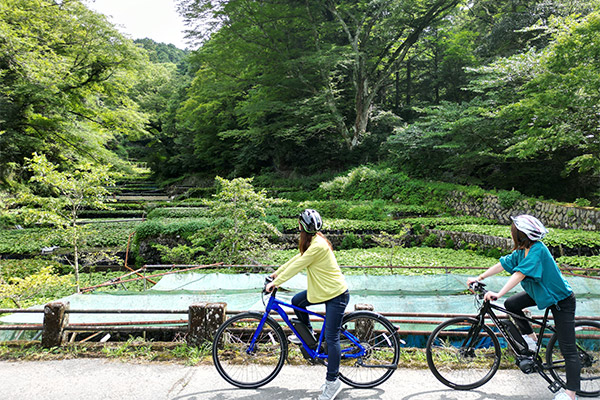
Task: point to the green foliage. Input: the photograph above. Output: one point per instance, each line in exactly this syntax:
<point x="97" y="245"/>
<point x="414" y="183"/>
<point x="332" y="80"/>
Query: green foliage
<point x="63" y="195"/>
<point x="376" y="210"/>
<point x="184" y="228"/>
<point x="352" y="241"/>
<point x="181" y="254"/>
<point x="178" y="212"/>
<point x="581" y="202"/>
<point x="161" y="52"/>
<point x="30" y="241"/>
<point x="418" y="257"/>
<point x="65" y="73"/>
<point x="366" y="183"/>
<point x="431" y="240"/>
<point x="555" y="107"/>
<point x="579" y="261"/>
<point x="395" y="226"/>
<point x="26" y="291"/>
<point x="571" y="238"/>
<point x="508" y="199"/>
<point x="240" y="227"/>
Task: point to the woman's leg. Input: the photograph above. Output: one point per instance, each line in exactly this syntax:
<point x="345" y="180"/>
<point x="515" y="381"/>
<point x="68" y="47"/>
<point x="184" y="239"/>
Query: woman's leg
<point x="300" y="300"/>
<point x="334" y="312"/>
<point x="515" y="304"/>
<point x="564" y="323"/>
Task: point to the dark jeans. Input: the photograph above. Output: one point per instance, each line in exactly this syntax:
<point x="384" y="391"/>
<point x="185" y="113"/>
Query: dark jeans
<point x="334" y="312"/>
<point x="564" y="323"/>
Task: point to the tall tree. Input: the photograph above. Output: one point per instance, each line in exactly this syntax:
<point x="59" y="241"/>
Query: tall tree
<point x="379" y="35"/>
<point x="557" y="109"/>
<point x="343" y="53"/>
<point x="64" y="77"/>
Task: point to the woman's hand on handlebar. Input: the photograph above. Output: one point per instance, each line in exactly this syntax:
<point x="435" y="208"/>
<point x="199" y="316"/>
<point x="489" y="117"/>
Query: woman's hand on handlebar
<point x="269" y="287"/>
<point x="491" y="296"/>
<point x="470" y="281"/>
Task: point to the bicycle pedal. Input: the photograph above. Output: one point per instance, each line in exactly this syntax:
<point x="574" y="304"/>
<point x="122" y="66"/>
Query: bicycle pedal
<point x="555" y="387"/>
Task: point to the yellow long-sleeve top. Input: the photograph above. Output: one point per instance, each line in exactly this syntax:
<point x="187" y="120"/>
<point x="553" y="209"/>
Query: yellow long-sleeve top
<point x="324" y="276"/>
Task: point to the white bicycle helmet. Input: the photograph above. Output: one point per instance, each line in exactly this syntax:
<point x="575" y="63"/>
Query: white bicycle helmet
<point x="311" y="221"/>
<point x="530" y="226"/>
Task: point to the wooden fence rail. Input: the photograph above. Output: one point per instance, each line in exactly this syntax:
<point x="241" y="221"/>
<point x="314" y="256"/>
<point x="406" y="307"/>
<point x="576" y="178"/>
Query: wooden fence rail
<point x="203" y="319"/>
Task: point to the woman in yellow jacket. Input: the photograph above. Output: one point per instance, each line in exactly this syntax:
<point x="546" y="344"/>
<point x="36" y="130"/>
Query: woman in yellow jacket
<point x="325" y="283"/>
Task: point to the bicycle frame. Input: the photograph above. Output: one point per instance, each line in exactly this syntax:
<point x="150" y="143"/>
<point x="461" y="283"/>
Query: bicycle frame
<point x="488" y="309"/>
<point x="276" y="305"/>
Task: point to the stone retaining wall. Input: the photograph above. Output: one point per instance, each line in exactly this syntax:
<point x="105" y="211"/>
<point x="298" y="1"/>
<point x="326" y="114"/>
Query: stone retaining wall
<point x="461" y="238"/>
<point x="552" y="215"/>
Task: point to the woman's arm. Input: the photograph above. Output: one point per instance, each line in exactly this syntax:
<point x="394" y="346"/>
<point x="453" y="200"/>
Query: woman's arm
<point x="493" y="270"/>
<point x="512" y="282"/>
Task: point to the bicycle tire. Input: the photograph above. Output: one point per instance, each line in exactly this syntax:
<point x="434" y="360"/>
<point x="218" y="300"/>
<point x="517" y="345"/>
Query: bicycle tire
<point x="462" y="354"/>
<point x="378" y="336"/>
<point x="235" y="364"/>
<point x="588" y="343"/>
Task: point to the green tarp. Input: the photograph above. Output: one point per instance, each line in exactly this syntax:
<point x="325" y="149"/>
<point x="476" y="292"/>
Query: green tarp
<point x="443" y="293"/>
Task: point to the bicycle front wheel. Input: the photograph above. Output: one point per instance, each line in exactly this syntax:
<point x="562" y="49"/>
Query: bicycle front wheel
<point x="587" y="337"/>
<point x="462" y="354"/>
<point x="237" y="362"/>
<point x="377" y="337"/>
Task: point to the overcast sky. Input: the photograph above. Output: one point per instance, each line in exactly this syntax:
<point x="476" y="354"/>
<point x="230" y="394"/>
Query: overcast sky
<point x="138" y="19"/>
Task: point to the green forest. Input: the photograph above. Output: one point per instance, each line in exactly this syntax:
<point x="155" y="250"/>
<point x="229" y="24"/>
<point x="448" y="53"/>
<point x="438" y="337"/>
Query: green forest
<point x="500" y="94"/>
<point x="371" y="111"/>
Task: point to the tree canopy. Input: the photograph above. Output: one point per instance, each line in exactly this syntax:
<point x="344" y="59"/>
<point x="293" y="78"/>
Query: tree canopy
<point x="65" y="73"/>
<point x="500" y="93"/>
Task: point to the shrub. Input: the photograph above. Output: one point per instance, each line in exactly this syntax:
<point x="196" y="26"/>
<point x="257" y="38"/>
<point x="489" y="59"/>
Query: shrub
<point x="431" y="240"/>
<point x="508" y="199"/>
<point x="580" y="202"/>
<point x="367" y="183"/>
<point x="352" y="241"/>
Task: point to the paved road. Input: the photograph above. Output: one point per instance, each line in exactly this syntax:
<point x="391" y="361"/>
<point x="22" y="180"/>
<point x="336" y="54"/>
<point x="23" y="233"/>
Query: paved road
<point x="99" y="379"/>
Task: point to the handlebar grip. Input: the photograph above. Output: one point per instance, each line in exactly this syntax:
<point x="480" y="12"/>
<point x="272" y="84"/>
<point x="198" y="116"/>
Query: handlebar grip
<point x="268" y="279"/>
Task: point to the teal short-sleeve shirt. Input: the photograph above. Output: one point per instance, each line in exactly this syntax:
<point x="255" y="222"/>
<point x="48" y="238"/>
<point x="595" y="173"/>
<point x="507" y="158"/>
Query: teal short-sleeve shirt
<point x="543" y="279"/>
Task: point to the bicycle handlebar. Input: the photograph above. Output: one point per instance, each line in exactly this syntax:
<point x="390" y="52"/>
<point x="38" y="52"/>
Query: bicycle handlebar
<point x="478" y="288"/>
<point x="268" y="279"/>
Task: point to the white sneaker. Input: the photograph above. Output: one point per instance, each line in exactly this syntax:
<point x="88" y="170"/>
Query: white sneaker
<point x="294" y="339"/>
<point x="531" y="344"/>
<point x="563" y="396"/>
<point x="331" y="389"/>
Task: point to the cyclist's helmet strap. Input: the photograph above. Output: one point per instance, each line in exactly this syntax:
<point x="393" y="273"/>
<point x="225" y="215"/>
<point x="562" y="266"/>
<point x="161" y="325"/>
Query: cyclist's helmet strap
<point x="311" y="221"/>
<point x="530" y="226"/>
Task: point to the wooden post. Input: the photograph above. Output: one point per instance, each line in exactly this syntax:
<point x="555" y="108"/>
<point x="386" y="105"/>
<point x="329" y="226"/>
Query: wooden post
<point x="203" y="321"/>
<point x="55" y="320"/>
<point x="196" y="317"/>
<point x="363" y="307"/>
<point x="215" y="316"/>
<point x="364" y="328"/>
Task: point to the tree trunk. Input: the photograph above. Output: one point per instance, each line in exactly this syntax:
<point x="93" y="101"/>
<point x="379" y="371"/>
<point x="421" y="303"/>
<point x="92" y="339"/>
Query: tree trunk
<point x="364" y="105"/>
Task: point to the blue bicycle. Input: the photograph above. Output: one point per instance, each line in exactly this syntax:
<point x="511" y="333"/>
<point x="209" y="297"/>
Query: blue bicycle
<point x="250" y="348"/>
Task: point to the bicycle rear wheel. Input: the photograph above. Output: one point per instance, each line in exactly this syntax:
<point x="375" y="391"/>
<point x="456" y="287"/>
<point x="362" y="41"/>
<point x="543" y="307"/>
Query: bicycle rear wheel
<point x="462" y="354"/>
<point x="244" y="368"/>
<point x="587" y="337"/>
<point x="378" y="337"/>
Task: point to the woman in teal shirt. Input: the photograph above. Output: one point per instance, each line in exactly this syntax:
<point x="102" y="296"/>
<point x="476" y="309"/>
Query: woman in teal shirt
<point x="532" y="265"/>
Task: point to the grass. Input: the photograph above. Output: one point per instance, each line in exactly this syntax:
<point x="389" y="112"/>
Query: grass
<point x="132" y="350"/>
<point x="138" y="351"/>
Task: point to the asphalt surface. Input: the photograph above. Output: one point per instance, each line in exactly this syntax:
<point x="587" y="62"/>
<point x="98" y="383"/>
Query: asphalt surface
<point x="95" y="379"/>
